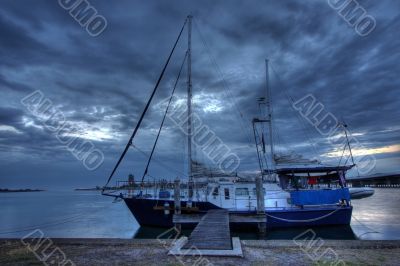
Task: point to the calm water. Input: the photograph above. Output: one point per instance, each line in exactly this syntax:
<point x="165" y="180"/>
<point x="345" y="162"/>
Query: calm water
<point x="90" y="215"/>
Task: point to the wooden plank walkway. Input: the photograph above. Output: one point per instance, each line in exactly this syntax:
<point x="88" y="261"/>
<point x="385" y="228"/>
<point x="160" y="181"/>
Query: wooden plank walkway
<point x="212" y="232"/>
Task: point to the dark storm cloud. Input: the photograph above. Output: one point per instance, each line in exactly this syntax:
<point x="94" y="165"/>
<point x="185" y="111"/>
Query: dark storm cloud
<point x="10" y="116"/>
<point x="102" y="83"/>
<point x="13" y="86"/>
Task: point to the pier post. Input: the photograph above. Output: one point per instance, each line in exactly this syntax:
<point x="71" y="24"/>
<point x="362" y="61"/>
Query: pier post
<point x="177" y="201"/>
<point x="260" y="205"/>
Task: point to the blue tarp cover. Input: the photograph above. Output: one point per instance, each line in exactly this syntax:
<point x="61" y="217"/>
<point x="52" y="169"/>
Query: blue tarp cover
<point x="315" y="197"/>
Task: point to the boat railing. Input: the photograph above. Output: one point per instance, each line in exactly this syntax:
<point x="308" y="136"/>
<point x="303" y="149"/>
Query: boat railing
<point x="162" y="190"/>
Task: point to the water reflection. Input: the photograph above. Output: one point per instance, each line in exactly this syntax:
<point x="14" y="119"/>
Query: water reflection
<point x="377" y="217"/>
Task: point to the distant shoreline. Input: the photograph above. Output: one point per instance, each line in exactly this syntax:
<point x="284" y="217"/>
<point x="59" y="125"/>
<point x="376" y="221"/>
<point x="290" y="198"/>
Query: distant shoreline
<point x="87" y="189"/>
<point x="97" y="188"/>
<point x="5" y="190"/>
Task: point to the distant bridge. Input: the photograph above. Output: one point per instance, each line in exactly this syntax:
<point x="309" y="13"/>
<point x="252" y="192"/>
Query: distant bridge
<point x="376" y="180"/>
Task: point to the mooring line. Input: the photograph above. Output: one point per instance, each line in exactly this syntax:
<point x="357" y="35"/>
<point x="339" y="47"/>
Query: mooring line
<point x="303" y="221"/>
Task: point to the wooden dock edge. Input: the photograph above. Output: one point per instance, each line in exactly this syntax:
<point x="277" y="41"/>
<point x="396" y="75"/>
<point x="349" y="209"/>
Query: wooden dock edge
<point x="176" y="249"/>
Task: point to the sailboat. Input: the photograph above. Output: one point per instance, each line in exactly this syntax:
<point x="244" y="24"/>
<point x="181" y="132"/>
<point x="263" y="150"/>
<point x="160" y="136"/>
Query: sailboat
<point x="282" y="196"/>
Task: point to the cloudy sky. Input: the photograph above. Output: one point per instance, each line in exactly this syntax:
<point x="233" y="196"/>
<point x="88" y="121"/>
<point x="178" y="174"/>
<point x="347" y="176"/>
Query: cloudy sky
<point x="100" y="84"/>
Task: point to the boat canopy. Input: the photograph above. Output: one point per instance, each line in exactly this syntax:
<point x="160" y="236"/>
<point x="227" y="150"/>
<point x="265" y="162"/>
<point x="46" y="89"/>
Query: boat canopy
<point x="312" y="197"/>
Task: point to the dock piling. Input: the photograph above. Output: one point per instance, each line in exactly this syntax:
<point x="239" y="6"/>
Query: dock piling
<point x="177" y="201"/>
<point x="260" y="205"/>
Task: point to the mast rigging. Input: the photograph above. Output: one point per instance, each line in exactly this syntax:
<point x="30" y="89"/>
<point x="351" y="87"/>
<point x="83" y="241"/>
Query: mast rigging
<point x="163" y="120"/>
<point x="145" y="109"/>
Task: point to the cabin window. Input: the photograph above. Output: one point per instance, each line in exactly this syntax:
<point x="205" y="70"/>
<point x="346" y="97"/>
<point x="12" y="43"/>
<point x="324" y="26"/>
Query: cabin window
<point x="226" y="193"/>
<point x="242" y="192"/>
<point x="215" y="192"/>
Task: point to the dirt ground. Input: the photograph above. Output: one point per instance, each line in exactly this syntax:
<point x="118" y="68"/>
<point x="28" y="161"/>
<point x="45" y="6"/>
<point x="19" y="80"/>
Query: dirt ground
<point x="154" y="252"/>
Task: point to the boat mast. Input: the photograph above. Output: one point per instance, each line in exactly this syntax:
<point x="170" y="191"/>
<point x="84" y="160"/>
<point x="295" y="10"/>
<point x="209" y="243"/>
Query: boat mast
<point x="189" y="105"/>
<point x="269" y="109"/>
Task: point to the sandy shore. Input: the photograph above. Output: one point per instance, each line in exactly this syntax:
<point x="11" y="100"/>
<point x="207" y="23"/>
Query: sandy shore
<point x="154" y="252"/>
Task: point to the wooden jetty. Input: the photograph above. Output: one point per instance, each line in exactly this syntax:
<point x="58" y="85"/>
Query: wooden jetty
<point x="212" y="236"/>
<point x="212" y="232"/>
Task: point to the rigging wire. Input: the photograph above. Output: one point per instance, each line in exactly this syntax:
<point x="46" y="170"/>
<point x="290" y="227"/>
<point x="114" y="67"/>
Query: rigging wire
<point x="347" y="145"/>
<point x="257" y="135"/>
<point x="290" y="99"/>
<point x="351" y="154"/>
<point x="278" y="143"/>
<point x="163" y="120"/>
<point x="348" y="157"/>
<point x="258" y="154"/>
<point x="274" y="132"/>
<point x="263" y="134"/>
<point x="146" y="107"/>
<point x="226" y="87"/>
<point x="159" y="162"/>
<point x="341" y="157"/>
<point x="262" y="159"/>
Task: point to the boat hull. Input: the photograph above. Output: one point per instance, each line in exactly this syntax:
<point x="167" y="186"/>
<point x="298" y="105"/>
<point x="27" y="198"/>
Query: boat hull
<point x="146" y="214"/>
<point x="335" y="215"/>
